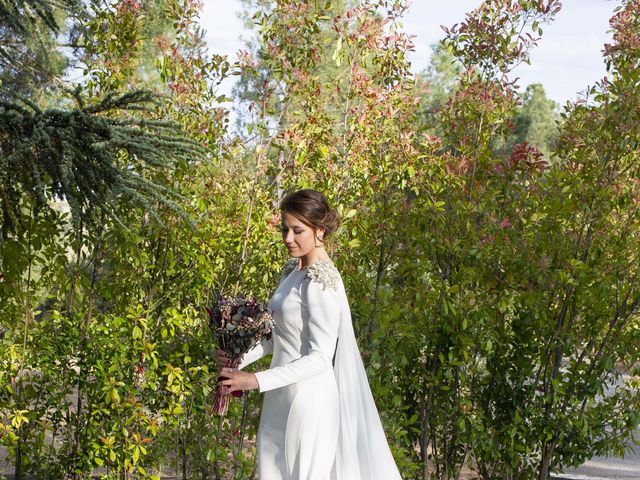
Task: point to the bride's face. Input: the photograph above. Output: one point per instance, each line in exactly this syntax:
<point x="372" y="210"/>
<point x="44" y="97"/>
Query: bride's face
<point x="299" y="238"/>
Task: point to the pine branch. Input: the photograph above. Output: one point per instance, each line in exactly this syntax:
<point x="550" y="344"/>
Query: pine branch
<point x="20" y="15"/>
<point x="90" y="156"/>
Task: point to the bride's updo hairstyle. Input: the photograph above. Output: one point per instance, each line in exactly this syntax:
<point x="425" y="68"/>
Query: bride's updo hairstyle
<point x="312" y="209"/>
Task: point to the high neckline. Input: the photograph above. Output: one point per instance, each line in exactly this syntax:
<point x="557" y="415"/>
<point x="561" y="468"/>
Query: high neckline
<point x="300" y="268"/>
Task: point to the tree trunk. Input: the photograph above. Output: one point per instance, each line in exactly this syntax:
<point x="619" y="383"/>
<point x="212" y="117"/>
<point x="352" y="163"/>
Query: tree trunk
<point x="17" y="472"/>
<point x="78" y="426"/>
<point x="484" y="473"/>
<point x="373" y="323"/>
<point x="424" y="441"/>
<point x="545" y="461"/>
<point x="184" y="458"/>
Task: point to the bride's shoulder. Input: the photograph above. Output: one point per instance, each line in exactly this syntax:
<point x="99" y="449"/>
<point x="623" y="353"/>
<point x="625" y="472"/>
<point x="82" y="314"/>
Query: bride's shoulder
<point x="289" y="267"/>
<point x="325" y="273"/>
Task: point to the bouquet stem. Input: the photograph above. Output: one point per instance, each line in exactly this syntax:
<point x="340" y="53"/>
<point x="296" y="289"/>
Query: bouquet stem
<point x="220" y="397"/>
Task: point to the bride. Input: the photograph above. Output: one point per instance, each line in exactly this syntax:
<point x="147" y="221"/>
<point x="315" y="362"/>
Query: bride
<point x="318" y="420"/>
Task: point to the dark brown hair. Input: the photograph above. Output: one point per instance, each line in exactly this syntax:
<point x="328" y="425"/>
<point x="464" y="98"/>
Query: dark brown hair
<point x="311" y="208"/>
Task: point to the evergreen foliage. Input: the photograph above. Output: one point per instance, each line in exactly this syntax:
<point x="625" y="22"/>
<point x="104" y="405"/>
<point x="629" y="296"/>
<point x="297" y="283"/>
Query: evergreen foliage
<point x="19" y="15"/>
<point x="90" y="151"/>
<point x="534" y="121"/>
<point x="537" y="120"/>
<point x="441" y="77"/>
<point x="86" y="155"/>
<point x="28" y="55"/>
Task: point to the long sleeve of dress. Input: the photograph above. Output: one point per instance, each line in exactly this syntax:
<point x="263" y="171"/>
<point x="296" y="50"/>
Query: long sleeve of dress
<point x="265" y="346"/>
<point x="323" y="318"/>
<point x="256" y="353"/>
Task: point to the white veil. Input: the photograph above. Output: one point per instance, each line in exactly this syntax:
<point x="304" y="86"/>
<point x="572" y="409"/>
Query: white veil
<point x="363" y="452"/>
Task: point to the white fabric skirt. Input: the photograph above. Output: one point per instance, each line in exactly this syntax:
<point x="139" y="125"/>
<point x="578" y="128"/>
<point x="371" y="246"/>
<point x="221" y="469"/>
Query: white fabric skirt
<point x="299" y="429"/>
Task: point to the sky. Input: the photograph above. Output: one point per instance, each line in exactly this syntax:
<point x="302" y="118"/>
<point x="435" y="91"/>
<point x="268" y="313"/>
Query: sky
<point x="567" y="60"/>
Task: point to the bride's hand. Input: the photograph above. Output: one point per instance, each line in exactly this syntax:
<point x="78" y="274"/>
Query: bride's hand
<point x="222" y="359"/>
<point x="235" y="379"/>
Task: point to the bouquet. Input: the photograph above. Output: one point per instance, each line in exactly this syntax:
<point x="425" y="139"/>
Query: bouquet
<point x="237" y="325"/>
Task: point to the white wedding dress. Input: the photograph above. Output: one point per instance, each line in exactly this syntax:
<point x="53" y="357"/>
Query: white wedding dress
<point x="318" y="420"/>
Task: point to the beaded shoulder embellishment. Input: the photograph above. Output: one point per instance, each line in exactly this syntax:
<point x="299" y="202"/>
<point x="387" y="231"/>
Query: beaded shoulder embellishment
<point x="325" y="273"/>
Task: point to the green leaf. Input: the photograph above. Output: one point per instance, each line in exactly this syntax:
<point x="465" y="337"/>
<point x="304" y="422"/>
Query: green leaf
<point x="336" y="57"/>
<point x="137" y="332"/>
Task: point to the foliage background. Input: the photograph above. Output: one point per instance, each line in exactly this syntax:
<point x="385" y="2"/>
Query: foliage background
<point x="489" y="244"/>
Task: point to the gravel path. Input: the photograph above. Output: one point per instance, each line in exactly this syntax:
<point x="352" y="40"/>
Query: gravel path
<point x="610" y="468"/>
